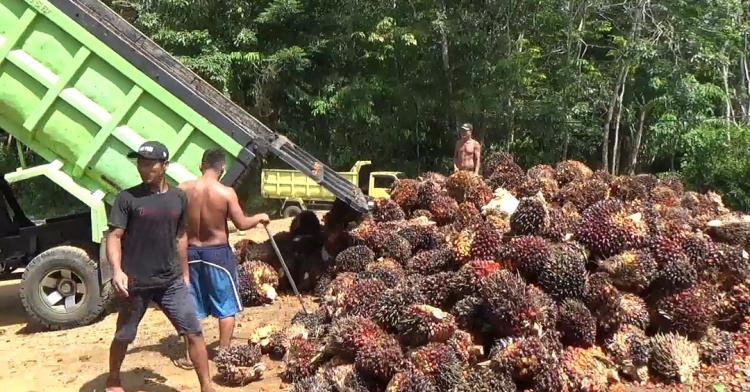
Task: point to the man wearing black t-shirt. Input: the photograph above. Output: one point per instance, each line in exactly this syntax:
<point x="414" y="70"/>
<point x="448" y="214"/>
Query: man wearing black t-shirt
<point x="147" y="246"/>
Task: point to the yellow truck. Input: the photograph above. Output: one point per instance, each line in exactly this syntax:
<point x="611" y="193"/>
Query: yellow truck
<point x="298" y="192"/>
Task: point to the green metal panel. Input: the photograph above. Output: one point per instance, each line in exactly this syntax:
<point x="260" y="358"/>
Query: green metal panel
<point x="72" y="99"/>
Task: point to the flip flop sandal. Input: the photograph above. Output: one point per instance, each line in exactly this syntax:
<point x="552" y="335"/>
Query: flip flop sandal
<point x="183" y="364"/>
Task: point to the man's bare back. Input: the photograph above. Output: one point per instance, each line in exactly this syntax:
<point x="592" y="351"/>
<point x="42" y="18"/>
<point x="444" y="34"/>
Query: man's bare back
<point x="208" y="210"/>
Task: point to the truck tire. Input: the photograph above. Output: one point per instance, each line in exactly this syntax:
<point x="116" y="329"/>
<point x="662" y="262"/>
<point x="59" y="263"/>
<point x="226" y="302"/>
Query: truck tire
<point x="291" y="211"/>
<point x="60" y="289"/>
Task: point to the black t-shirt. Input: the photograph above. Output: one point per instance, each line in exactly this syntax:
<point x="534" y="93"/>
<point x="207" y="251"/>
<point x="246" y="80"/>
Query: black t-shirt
<point x="151" y="222"/>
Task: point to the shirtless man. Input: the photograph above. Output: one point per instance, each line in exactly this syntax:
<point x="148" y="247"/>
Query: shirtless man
<point x="466" y="156"/>
<point x="213" y="268"/>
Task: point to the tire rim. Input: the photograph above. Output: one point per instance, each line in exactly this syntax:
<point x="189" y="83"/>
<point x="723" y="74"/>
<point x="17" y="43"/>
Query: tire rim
<point x="62" y="290"/>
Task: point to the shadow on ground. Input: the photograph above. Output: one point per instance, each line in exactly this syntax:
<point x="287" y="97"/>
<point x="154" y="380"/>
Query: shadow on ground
<point x="140" y="379"/>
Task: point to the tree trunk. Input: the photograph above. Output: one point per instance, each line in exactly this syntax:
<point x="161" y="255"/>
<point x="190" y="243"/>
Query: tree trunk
<point x="637" y="143"/>
<point x="616" y="147"/>
<point x="728" y="97"/>
<point x="447" y="66"/>
<point x="610" y="114"/>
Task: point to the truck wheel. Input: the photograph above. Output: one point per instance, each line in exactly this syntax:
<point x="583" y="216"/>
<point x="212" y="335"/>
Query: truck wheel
<point x="60" y="288"/>
<point x="291" y="211"/>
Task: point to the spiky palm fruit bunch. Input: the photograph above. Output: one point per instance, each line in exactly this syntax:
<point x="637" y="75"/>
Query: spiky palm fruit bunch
<point x="705" y="207"/>
<point x="495" y="161"/>
<point x="689" y="312"/>
<point x="439" y="289"/>
<point x="392" y="266"/>
<point x="421" y="214"/>
<point x="239" y="365"/>
<point x="627" y="188"/>
<point x="421" y="237"/>
<point x="571" y="170"/>
<point x="531" y="186"/>
<point x="576" y="324"/>
<point x="360" y="234"/>
<point x="726" y="264"/>
<point x="674" y="183"/>
<point x="472" y="273"/>
<point x="542" y="171"/>
<point x="565" y="276"/>
<point x="431" y="261"/>
<point x="734" y="307"/>
<point x="512" y="307"/>
<point x="511" y="178"/>
<point x="531" y="217"/>
<point x="349" y="334"/>
<point x="397" y="248"/>
<point x="588" y="369"/>
<point x="634" y="311"/>
<point x="333" y="294"/>
<point x="314" y="383"/>
<point x="439" y="363"/>
<point x="387" y="210"/>
<point x="486" y="243"/>
<point x="630" y="349"/>
<point x="410" y="380"/>
<point x="428" y="192"/>
<point x="462" y="244"/>
<point x="483" y="379"/>
<point x="392" y="304"/>
<point x="666" y="249"/>
<point x="258" y="282"/>
<point x="404" y="193"/>
<point x="521" y="357"/>
<point x="551" y="379"/>
<point x="716" y="347"/>
<point x="444" y="210"/>
<point x="468" y="313"/>
<point x="583" y="194"/>
<point x="562" y="223"/>
<point x="344" y="377"/>
<point x="649" y="181"/>
<point x="632" y="270"/>
<point x="479" y="195"/>
<point x="354" y="259"/>
<point x="465" y="348"/>
<point x="459" y="184"/>
<point x="674" y="357"/>
<point x="527" y="254"/>
<point x="423" y="323"/>
<point x="381" y="359"/>
<point x="610" y="227"/>
<point x="300" y="359"/>
<point x="664" y="196"/>
<point x="468" y="216"/>
<point x="361" y="298"/>
<point x="603" y="299"/>
<point x="672" y="278"/>
<point x="433" y="177"/>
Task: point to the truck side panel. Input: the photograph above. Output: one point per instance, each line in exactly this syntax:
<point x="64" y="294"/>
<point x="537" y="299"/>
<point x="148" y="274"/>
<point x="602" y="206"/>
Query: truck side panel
<point x="293" y="184"/>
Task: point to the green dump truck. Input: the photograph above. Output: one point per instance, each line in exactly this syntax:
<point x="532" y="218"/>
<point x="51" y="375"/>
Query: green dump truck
<point x="298" y="192"/>
<point x="82" y="88"/>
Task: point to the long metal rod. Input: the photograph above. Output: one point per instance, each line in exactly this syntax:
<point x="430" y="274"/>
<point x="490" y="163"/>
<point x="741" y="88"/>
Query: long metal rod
<point x="286" y="270"/>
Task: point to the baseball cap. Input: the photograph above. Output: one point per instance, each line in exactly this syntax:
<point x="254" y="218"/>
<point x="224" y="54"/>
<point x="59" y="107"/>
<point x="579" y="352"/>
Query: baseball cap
<point x="151" y="150"/>
<point x="467" y="127"/>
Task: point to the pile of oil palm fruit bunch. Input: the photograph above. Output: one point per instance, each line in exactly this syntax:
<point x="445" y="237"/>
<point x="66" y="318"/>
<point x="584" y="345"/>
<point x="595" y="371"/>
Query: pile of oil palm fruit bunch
<point x="555" y="278"/>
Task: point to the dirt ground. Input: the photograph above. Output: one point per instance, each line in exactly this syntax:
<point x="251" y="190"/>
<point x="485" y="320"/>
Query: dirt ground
<point x="77" y="359"/>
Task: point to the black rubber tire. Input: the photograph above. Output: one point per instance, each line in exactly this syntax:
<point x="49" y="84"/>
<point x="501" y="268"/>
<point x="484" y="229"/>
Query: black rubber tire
<point x="80" y="262"/>
<point x="291" y="211"/>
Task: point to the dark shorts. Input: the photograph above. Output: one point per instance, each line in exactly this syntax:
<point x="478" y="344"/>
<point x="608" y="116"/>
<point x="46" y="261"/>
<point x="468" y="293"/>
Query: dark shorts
<point x="213" y="281"/>
<point x="173" y="300"/>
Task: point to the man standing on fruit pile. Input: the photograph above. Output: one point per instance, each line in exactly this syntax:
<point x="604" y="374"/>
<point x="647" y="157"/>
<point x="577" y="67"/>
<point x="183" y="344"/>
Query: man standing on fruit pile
<point x="147" y="246"/>
<point x="467" y="154"/>
<point x="213" y="268"/>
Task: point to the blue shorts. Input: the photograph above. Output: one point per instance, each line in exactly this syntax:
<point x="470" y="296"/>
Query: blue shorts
<point x="214" y="281"/>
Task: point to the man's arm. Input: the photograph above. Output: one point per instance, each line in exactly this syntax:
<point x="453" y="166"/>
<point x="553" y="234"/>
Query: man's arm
<point x="455" y="156"/>
<point x="182" y="246"/>
<point x="114" y="255"/>
<point x="477" y="156"/>
<point x="238" y="217"/>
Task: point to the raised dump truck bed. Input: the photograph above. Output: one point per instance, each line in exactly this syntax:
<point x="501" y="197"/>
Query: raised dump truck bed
<point x="82" y="88"/>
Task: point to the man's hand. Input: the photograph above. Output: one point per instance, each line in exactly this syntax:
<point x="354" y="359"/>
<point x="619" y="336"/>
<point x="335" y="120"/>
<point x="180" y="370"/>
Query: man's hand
<point x="120" y="281"/>
<point x="263" y="219"/>
<point x="186" y="279"/>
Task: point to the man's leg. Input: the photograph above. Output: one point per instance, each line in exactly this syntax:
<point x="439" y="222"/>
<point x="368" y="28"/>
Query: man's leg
<point x="130" y="314"/>
<point x="226" y="331"/>
<point x="199" y="357"/>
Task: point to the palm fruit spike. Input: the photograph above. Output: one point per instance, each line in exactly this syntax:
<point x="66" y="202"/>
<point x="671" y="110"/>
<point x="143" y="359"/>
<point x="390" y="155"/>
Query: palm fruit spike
<point x="468" y="312"/>
<point x="649" y="181"/>
<point x="565" y="276"/>
<point x="734" y="307"/>
<point x="421" y="237"/>
<point x="527" y="255"/>
<point x="531" y="216"/>
<point x="603" y="299"/>
<point x="423" y="323"/>
<point x="610" y="227"/>
<point x="431" y="261"/>
<point x="627" y="188"/>
<point x="726" y="264"/>
<point x="674" y="357"/>
<point x="486" y="243"/>
<point x="261" y="337"/>
<point x="314" y="383"/>
<point x="673" y="277"/>
<point x="239" y="365"/>
<point x="313" y="323"/>
<point x="404" y="193"/>
<point x="387" y="210"/>
<point x="716" y="347"/>
<point x="571" y="170"/>
<point x="665" y="249"/>
<point x="258" y="282"/>
<point x="391" y="305"/>
<point x="362" y="296"/>
<point x="344" y="377"/>
<point x="462" y="244"/>
<point x="300" y="359"/>
<point x="633" y="311"/>
<point x="443" y="210"/>
<point x="466" y="350"/>
<point x="630" y="349"/>
<point x="665" y="196"/>
<point x="588" y="369"/>
<point x="483" y="379"/>
<point x="576" y="324"/>
<point x="427" y="193"/>
<point x="410" y="380"/>
<point x="471" y="274"/>
<point x="632" y="270"/>
<point x="439" y="363"/>
<point x="479" y="195"/>
<point x="381" y="359"/>
<point x="522" y="358"/>
<point x="583" y="194"/>
<point x="512" y="307"/>
<point x="496" y="160"/>
<point x="468" y="216"/>
<point x="397" y="248"/>
<point x="510" y="178"/>
<point x="349" y="334"/>
<point x="689" y="312"/>
<point x="562" y="223"/>
<point x="354" y="259"/>
<point x="439" y="289"/>
<point x="551" y="379"/>
<point x="460" y="183"/>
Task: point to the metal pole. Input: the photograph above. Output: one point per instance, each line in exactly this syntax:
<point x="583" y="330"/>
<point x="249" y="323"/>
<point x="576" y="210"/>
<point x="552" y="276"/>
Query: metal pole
<point x="286" y="270"/>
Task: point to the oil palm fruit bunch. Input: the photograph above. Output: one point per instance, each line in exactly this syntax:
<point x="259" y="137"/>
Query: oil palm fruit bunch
<point x="572" y="170"/>
<point x="239" y="365"/>
<point x="439" y="363"/>
<point x="522" y="357"/>
<point x="610" y="227"/>
<point x="380" y="359"/>
<point x="531" y="217"/>
<point x="486" y="243"/>
<point x="527" y="255"/>
<point x="462" y="244"/>
<point x="410" y="380"/>
<point x="423" y="323"/>
<point x="468" y="216"/>
<point x="404" y="193"/>
<point x="354" y="259"/>
<point x="258" y="282"/>
<point x="431" y="261"/>
<point x="588" y="369"/>
<point x="630" y="349"/>
<point x="483" y="379"/>
<point x="387" y="210"/>
<point x="301" y="359"/>
<point x="361" y="298"/>
<point x="632" y="270"/>
<point x="444" y="210"/>
<point x="392" y="305"/>
<point x="628" y="188"/>
<point x="460" y="183"/>
<point x="576" y="324"/>
<point x="565" y="275"/>
<point x="497" y="160"/>
<point x="716" y="347"/>
<point x="689" y="312"/>
<point x="421" y="237"/>
<point x="674" y="357"/>
<point x="583" y="193"/>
